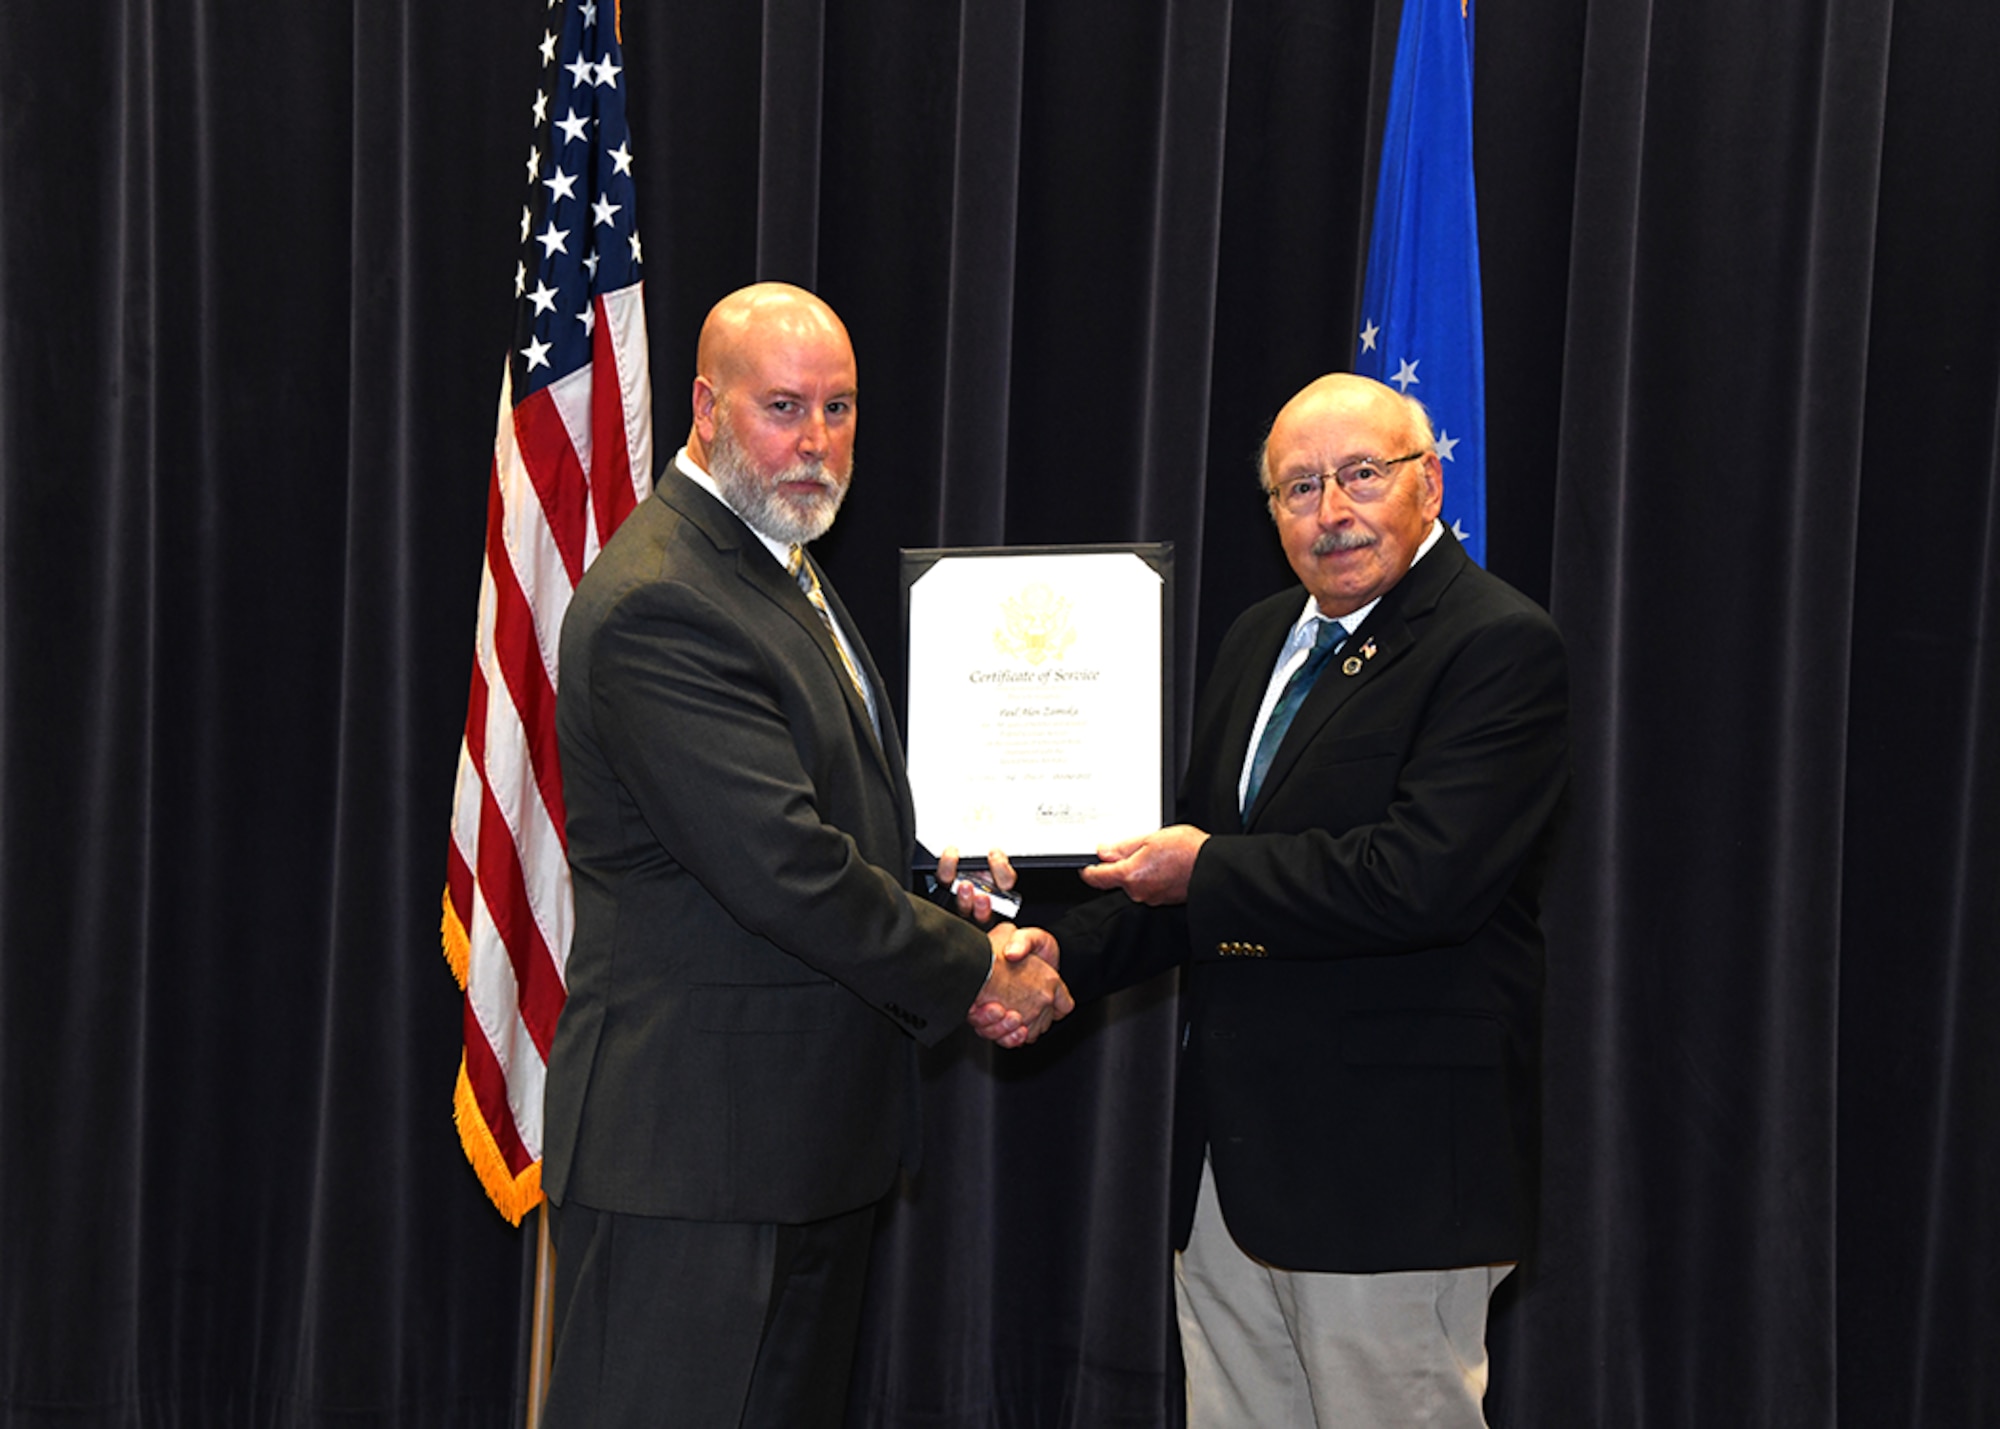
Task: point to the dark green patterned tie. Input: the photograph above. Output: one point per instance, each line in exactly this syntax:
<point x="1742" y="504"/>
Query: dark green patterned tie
<point x="1325" y="641"/>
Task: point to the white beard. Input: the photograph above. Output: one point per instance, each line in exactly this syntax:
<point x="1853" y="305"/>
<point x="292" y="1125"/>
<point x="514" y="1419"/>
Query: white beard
<point x="792" y="519"/>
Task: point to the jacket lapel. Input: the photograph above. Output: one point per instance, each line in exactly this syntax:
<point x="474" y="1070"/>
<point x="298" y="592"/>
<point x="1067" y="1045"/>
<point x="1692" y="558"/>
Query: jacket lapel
<point x="1388" y="633"/>
<point x="754" y="566"/>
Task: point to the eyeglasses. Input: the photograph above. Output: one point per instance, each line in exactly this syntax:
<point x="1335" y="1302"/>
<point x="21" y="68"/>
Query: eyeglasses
<point x="1364" y="479"/>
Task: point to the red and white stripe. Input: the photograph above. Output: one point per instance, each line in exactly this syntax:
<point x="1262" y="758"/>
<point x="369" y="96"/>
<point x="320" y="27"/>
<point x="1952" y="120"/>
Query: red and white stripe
<point x="570" y="461"/>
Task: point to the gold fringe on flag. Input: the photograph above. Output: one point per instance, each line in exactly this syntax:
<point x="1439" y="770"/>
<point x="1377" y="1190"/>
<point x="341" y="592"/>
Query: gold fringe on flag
<point x="457" y="946"/>
<point x="514" y="1196"/>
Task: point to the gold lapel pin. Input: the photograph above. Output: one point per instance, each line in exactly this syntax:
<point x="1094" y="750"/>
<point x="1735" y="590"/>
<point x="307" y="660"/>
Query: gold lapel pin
<point x="1351" y="665"/>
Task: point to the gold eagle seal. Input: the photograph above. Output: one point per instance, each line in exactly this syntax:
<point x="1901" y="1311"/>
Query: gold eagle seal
<point x="1035" y="626"/>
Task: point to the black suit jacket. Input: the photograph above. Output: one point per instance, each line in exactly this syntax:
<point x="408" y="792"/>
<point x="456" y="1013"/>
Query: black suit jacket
<point x="747" y="959"/>
<point x="1363" y="997"/>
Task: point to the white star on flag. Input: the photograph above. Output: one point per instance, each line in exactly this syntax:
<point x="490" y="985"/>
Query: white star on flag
<point x="1406" y="375"/>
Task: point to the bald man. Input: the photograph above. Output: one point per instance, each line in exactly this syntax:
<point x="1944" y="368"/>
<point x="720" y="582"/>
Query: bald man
<point x="733" y="1081"/>
<point x="1374" y="783"/>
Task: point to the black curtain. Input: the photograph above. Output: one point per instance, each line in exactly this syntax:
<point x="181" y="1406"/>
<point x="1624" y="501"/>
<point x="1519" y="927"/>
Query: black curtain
<point x="1743" y="345"/>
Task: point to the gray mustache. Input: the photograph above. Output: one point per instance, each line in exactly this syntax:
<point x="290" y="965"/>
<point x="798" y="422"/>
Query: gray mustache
<point x="1350" y="540"/>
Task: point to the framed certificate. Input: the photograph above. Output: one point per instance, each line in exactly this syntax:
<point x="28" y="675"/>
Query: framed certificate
<point x="1038" y="697"/>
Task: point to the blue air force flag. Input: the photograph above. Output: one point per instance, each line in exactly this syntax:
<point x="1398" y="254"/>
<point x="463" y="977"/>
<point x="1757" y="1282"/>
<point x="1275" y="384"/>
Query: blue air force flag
<point x="1420" y="325"/>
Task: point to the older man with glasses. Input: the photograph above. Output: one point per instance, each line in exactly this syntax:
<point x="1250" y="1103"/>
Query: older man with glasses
<point x="1378" y="768"/>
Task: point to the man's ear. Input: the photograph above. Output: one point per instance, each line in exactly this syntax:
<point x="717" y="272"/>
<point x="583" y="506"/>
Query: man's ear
<point x="704" y="402"/>
<point x="1433" y="484"/>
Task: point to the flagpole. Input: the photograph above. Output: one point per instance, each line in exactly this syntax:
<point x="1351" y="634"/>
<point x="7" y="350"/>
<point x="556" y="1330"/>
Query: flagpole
<point x="541" y="1345"/>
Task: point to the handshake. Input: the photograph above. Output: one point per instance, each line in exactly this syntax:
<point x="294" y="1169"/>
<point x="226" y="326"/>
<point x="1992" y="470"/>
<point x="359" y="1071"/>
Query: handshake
<point x="1024" y="995"/>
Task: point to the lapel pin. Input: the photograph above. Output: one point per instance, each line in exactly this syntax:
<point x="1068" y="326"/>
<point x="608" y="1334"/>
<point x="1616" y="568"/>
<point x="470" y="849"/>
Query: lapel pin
<point x="1368" y="649"/>
<point x="1351" y="665"/>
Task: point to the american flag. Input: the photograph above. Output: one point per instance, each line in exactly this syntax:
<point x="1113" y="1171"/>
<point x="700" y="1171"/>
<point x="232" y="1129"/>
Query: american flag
<point x="571" y="457"/>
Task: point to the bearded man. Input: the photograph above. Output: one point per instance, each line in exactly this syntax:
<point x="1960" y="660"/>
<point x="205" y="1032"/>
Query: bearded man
<point x="733" y="1083"/>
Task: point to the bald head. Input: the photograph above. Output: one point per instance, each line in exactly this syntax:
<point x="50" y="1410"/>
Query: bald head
<point x="753" y="320"/>
<point x="774" y="413"/>
<point x="1341" y="397"/>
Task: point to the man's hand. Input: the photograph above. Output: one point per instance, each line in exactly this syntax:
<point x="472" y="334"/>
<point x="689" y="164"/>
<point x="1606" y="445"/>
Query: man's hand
<point x="1023" y="995"/>
<point x="975" y="896"/>
<point x="1154" y="869"/>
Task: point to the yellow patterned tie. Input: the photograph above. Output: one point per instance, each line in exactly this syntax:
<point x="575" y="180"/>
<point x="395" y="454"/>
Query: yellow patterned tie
<point x="808" y="581"/>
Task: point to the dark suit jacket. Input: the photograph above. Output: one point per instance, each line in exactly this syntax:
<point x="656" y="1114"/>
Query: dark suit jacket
<point x="1363" y="998"/>
<point x="747" y="960"/>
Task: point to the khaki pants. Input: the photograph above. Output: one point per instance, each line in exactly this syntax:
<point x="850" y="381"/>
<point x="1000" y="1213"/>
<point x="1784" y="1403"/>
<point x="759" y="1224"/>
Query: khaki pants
<point x="1273" y="1349"/>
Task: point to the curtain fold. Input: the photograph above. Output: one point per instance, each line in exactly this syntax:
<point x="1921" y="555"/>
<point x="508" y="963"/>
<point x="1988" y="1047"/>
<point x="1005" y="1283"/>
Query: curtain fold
<point x="1743" y="331"/>
<point x="1919" y="1087"/>
<point x="1704" y="579"/>
<point x="984" y="200"/>
<point x="228" y="1037"/>
<point x="789" y="133"/>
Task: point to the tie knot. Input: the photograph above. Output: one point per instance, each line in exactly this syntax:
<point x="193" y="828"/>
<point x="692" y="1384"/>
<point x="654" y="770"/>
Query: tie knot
<point x="795" y="561"/>
<point x="1326" y="640"/>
